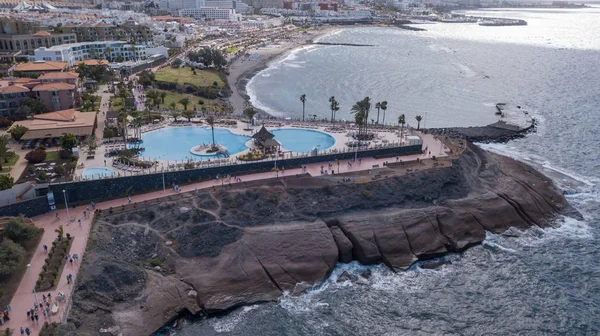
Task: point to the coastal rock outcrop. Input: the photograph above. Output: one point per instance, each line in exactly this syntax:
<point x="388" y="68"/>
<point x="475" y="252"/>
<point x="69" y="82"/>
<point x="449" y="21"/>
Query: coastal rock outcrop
<point x="243" y="245"/>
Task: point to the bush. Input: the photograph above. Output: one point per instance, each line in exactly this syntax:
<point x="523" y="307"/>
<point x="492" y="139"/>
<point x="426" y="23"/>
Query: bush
<point x="18" y="131"/>
<point x="42" y="176"/>
<point x="5" y="122"/>
<point x="16" y="230"/>
<point x="59" y="170"/>
<point x="36" y="156"/>
<point x="11" y="254"/>
<point x="64" y="154"/>
<point x="6" y="181"/>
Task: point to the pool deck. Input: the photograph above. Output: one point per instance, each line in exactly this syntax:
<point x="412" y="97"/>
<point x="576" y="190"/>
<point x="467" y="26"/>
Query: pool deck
<point x="383" y="136"/>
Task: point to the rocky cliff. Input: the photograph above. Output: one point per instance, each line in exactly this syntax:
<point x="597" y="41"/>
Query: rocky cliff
<point x="214" y="250"/>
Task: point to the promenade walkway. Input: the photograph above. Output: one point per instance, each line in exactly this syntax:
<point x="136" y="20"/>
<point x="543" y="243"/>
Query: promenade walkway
<point x="23" y="299"/>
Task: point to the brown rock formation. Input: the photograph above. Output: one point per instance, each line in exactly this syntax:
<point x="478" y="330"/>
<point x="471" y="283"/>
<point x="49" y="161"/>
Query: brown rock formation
<point x="234" y="247"/>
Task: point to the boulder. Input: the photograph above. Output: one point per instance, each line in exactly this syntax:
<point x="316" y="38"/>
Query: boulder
<point x="161" y="301"/>
<point x="262" y="264"/>
<point x="343" y="243"/>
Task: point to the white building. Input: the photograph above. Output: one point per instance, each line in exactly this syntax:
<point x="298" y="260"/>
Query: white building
<point x="170" y="5"/>
<point x="114" y="50"/>
<point x="211" y="13"/>
<point x="239" y="6"/>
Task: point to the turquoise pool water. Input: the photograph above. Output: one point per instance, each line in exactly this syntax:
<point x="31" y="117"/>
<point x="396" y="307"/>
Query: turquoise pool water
<point x="303" y="140"/>
<point x="174" y="143"/>
<point x="97" y="172"/>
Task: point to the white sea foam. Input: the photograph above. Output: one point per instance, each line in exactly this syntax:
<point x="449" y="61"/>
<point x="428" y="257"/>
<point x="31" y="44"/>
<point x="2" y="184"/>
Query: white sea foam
<point x="228" y="322"/>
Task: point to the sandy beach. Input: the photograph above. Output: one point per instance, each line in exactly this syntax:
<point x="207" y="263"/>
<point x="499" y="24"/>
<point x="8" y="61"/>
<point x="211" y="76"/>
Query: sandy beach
<point x="253" y="61"/>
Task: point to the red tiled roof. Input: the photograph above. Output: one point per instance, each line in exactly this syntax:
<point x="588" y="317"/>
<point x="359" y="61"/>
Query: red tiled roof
<point x="54" y="87"/>
<point x="14" y="89"/>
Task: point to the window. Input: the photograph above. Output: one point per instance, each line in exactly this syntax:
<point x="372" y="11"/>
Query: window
<point x="54" y="93"/>
<point x="55" y="101"/>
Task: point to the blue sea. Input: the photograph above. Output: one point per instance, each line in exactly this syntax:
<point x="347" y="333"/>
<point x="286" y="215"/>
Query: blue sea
<point x="537" y="282"/>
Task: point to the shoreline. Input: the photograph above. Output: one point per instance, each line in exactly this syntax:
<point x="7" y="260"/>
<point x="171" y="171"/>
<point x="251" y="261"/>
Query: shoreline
<point x="243" y="69"/>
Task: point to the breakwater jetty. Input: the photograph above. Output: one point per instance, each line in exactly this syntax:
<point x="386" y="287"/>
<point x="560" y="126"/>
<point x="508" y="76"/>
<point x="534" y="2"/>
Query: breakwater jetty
<point x="345" y="44"/>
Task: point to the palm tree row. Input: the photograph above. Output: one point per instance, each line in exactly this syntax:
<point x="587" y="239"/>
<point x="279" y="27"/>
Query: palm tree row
<point x="361" y="112"/>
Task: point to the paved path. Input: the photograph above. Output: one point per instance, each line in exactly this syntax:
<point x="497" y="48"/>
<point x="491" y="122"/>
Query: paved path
<point x="24" y="298"/>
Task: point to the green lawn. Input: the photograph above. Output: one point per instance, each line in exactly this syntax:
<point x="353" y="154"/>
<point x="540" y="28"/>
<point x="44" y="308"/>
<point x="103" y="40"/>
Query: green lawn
<point x="185" y="75"/>
<point x="116" y="103"/>
<point x="52" y="156"/>
<point x="10" y="163"/>
<point x="194" y="100"/>
<point x="232" y="49"/>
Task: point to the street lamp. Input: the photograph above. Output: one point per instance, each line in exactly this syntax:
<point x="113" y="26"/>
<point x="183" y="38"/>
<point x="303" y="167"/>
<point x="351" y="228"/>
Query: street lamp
<point x="32" y="285"/>
<point x="67" y="207"/>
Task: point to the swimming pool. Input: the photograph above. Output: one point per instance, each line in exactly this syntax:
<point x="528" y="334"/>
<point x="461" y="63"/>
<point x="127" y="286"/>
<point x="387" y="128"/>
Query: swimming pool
<point x="303" y="140"/>
<point x="97" y="172"/>
<point x="174" y="143"/>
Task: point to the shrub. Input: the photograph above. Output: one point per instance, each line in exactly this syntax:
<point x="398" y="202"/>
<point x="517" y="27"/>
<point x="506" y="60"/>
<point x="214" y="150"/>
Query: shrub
<point x="59" y="170"/>
<point x="18" y="231"/>
<point x="6" y="182"/>
<point x="43" y="176"/>
<point x="11" y="254"/>
<point x="36" y="156"/>
<point x="5" y="122"/>
<point x="64" y="154"/>
<point x="18" y="131"/>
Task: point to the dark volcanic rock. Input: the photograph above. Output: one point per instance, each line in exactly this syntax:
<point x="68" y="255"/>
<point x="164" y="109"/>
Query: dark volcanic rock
<point x="265" y="262"/>
<point x="239" y="246"/>
<point x="343" y="243"/>
<point x="205" y="240"/>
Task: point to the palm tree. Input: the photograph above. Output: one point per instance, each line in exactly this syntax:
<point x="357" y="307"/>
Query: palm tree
<point x="61" y="231"/>
<point x="384" y="108"/>
<point x="361" y="114"/>
<point x="334" y="105"/>
<point x="5" y="151"/>
<point x="163" y="95"/>
<point x="418" y="118"/>
<point x="122" y="121"/>
<point x="175" y="114"/>
<point x="211" y="121"/>
<point x="303" y="100"/>
<point x="401" y="121"/>
<point x="185" y="102"/>
<point x="378" y="107"/>
<point x="250" y="113"/>
<point x="173" y="105"/>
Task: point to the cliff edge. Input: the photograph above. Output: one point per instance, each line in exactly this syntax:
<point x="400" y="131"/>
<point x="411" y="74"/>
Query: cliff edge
<point x="218" y="249"/>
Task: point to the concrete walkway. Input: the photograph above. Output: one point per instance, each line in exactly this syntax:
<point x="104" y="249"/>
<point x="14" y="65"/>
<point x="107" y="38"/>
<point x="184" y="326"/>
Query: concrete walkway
<point x="24" y="298"/>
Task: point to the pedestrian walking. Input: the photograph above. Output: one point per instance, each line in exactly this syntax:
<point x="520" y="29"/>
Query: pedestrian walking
<point x="44" y="298"/>
<point x="93" y="205"/>
<point x="71" y="261"/>
<point x="36" y="318"/>
<point x="45" y="314"/>
<point x="57" y="216"/>
<point x="79" y="221"/>
<point x="28" y="313"/>
<point x="45" y="248"/>
<point x="129" y="200"/>
<point x="27" y="331"/>
<point x="22" y="331"/>
<point x="32" y="318"/>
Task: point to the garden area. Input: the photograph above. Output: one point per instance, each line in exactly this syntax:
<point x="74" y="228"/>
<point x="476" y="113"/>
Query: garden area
<point x="187" y="75"/>
<point x="48" y="166"/>
<point x="54" y="263"/>
<point x="19" y="240"/>
<point x="173" y="100"/>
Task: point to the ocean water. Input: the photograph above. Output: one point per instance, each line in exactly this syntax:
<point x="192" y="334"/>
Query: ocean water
<point x="536" y="282"/>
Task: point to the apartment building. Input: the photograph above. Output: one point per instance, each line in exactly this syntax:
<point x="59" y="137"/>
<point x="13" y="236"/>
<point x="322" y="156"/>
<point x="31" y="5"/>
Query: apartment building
<point x="117" y="51"/>
<point x="130" y="30"/>
<point x="56" y="96"/>
<point x="10" y="98"/>
<point x="26" y="43"/>
<point x="211" y="13"/>
<point x="19" y="26"/>
<point x="57" y="90"/>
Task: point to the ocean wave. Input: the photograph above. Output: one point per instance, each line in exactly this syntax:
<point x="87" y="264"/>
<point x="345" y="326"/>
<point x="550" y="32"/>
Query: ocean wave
<point x="228" y="322"/>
